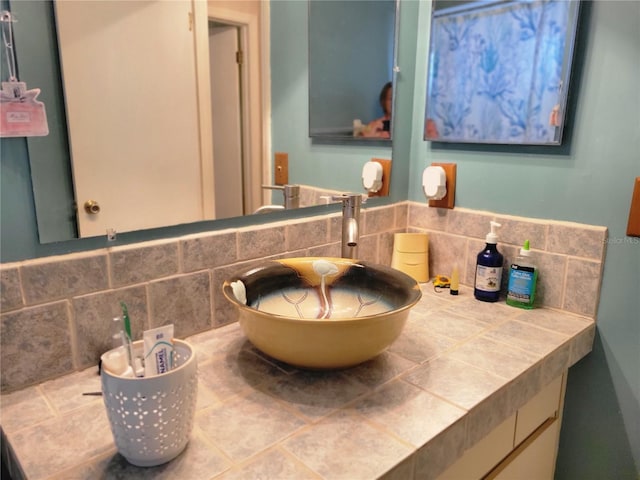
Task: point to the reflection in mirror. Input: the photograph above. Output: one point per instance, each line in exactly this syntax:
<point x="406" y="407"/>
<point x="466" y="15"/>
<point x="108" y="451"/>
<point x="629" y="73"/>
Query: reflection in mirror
<point x="40" y="62"/>
<point x="499" y="71"/>
<point x="154" y="95"/>
<point x="351" y="59"/>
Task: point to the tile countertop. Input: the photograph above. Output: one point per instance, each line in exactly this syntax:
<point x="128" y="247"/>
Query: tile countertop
<point x="458" y="370"/>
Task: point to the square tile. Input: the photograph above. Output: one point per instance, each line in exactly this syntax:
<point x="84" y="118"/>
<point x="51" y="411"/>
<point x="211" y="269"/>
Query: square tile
<point x="228" y="425"/>
<point x="184" y="301"/>
<point x="137" y="264"/>
<point x="44" y="281"/>
<point x="412" y="414"/>
<point x="35" y="345"/>
<point x="457" y="382"/>
<point x="344" y="447"/>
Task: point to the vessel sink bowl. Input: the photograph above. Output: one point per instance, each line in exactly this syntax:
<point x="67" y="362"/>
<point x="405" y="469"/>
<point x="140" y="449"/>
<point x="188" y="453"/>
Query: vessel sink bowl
<point x="322" y="312"/>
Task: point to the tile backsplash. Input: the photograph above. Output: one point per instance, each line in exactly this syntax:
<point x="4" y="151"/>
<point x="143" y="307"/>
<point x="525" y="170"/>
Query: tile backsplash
<point x="57" y="311"/>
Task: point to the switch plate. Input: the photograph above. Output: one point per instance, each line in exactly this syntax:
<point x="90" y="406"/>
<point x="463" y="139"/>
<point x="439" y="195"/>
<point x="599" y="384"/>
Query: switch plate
<point x="449" y="199"/>
<point x="281" y="168"/>
<point x="386" y="177"/>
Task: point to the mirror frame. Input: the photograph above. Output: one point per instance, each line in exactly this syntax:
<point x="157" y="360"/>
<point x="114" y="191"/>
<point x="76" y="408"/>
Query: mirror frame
<point x="540" y="125"/>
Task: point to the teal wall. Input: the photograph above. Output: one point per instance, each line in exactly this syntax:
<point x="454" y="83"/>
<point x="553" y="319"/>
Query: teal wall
<point x="589" y="180"/>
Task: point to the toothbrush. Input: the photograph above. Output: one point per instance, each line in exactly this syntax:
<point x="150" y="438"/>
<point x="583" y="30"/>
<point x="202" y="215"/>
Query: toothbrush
<point x="126" y="335"/>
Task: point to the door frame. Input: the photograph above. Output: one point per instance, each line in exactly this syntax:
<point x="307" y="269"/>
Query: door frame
<point x="256" y="159"/>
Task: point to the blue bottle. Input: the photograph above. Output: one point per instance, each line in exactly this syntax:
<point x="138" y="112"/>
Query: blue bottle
<point x="489" y="269"/>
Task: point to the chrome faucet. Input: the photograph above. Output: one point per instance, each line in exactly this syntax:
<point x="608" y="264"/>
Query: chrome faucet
<point x="350" y="222"/>
<point x="291" y="198"/>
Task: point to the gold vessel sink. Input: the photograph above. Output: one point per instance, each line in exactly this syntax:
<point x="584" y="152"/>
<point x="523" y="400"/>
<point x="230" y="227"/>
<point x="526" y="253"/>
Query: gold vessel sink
<point x="322" y="312"/>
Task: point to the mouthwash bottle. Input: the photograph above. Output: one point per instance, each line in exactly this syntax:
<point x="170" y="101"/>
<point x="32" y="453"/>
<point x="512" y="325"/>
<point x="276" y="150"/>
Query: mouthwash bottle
<point x="489" y="269"/>
<point x="523" y="276"/>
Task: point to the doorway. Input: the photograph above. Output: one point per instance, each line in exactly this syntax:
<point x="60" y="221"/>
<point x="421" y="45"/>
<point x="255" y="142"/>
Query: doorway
<point x="228" y="124"/>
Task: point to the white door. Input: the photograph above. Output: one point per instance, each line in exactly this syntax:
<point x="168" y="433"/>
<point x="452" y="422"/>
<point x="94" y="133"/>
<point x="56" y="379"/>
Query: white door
<point x="226" y="120"/>
<point x="130" y="89"/>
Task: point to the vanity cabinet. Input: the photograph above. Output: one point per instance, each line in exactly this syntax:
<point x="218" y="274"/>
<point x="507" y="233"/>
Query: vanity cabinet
<point x="523" y="446"/>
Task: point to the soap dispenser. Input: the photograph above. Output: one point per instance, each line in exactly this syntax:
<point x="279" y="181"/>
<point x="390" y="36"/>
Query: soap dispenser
<point x="523" y="276"/>
<point x="489" y="269"/>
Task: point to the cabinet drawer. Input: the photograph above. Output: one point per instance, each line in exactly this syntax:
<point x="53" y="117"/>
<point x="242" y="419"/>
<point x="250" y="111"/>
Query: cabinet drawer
<point x="485" y="454"/>
<point x="541" y="407"/>
<point x="536" y="458"/>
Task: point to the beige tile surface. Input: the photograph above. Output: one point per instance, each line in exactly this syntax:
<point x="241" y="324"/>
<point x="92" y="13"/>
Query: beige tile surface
<point x="56" y="279"/>
<point x="35" y="343"/>
<point x="316" y="394"/>
<point x="94" y="324"/>
<point x="130" y="265"/>
<point x="469" y="223"/>
<point x="551" y="277"/>
<point x="527" y="337"/>
<point x="210" y="251"/>
<point x="413" y="409"/>
<point x="273" y="464"/>
<point x="424" y="217"/>
<point x="582" y="288"/>
<point x="377" y="220"/>
<point x="460" y="383"/>
<point x="304" y="234"/>
<point x="577" y="240"/>
<point x="328" y="448"/>
<point x="500" y="359"/>
<point x="66" y="393"/>
<point x="409" y="412"/>
<point x="515" y="230"/>
<point x="229" y="424"/>
<point x="183" y="301"/>
<point x="261" y="242"/>
<point x="24" y="408"/>
<point x="86" y="435"/>
<point x="10" y="293"/>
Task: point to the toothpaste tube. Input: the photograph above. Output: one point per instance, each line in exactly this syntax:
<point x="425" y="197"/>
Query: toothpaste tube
<point x="158" y="350"/>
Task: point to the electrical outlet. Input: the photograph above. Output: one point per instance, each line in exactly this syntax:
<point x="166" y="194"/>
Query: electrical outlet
<point x="449" y="199"/>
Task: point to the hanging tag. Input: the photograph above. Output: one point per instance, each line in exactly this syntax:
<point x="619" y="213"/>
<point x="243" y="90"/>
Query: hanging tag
<point x="21" y="115"/>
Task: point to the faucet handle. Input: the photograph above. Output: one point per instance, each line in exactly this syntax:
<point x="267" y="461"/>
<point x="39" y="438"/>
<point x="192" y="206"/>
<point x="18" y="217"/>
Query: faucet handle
<point x="273" y="187"/>
<point x="349" y="197"/>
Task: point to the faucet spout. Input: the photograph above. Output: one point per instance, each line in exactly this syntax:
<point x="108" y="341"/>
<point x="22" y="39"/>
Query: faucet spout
<point x="352" y="232"/>
<point x="350" y="217"/>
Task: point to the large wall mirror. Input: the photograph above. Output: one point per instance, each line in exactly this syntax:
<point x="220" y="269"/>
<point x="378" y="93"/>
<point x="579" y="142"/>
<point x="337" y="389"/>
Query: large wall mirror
<point x="351" y="60"/>
<point x="499" y="71"/>
<point x="111" y="56"/>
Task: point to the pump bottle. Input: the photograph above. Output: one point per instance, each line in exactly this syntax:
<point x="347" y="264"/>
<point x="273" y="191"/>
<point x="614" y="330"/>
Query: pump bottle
<point x="523" y="276"/>
<point x="489" y="269"/>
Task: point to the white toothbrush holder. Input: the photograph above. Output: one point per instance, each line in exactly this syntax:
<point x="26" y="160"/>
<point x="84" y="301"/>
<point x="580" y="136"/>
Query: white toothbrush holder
<point x="151" y="417"/>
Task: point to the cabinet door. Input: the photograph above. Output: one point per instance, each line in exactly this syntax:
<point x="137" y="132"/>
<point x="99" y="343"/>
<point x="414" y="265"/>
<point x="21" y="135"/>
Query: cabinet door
<point x="484" y="455"/>
<point x="537" y="458"/>
<point x="541" y="407"/>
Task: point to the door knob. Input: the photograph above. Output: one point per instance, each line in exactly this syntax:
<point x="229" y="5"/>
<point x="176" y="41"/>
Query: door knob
<point x="91" y="207"/>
